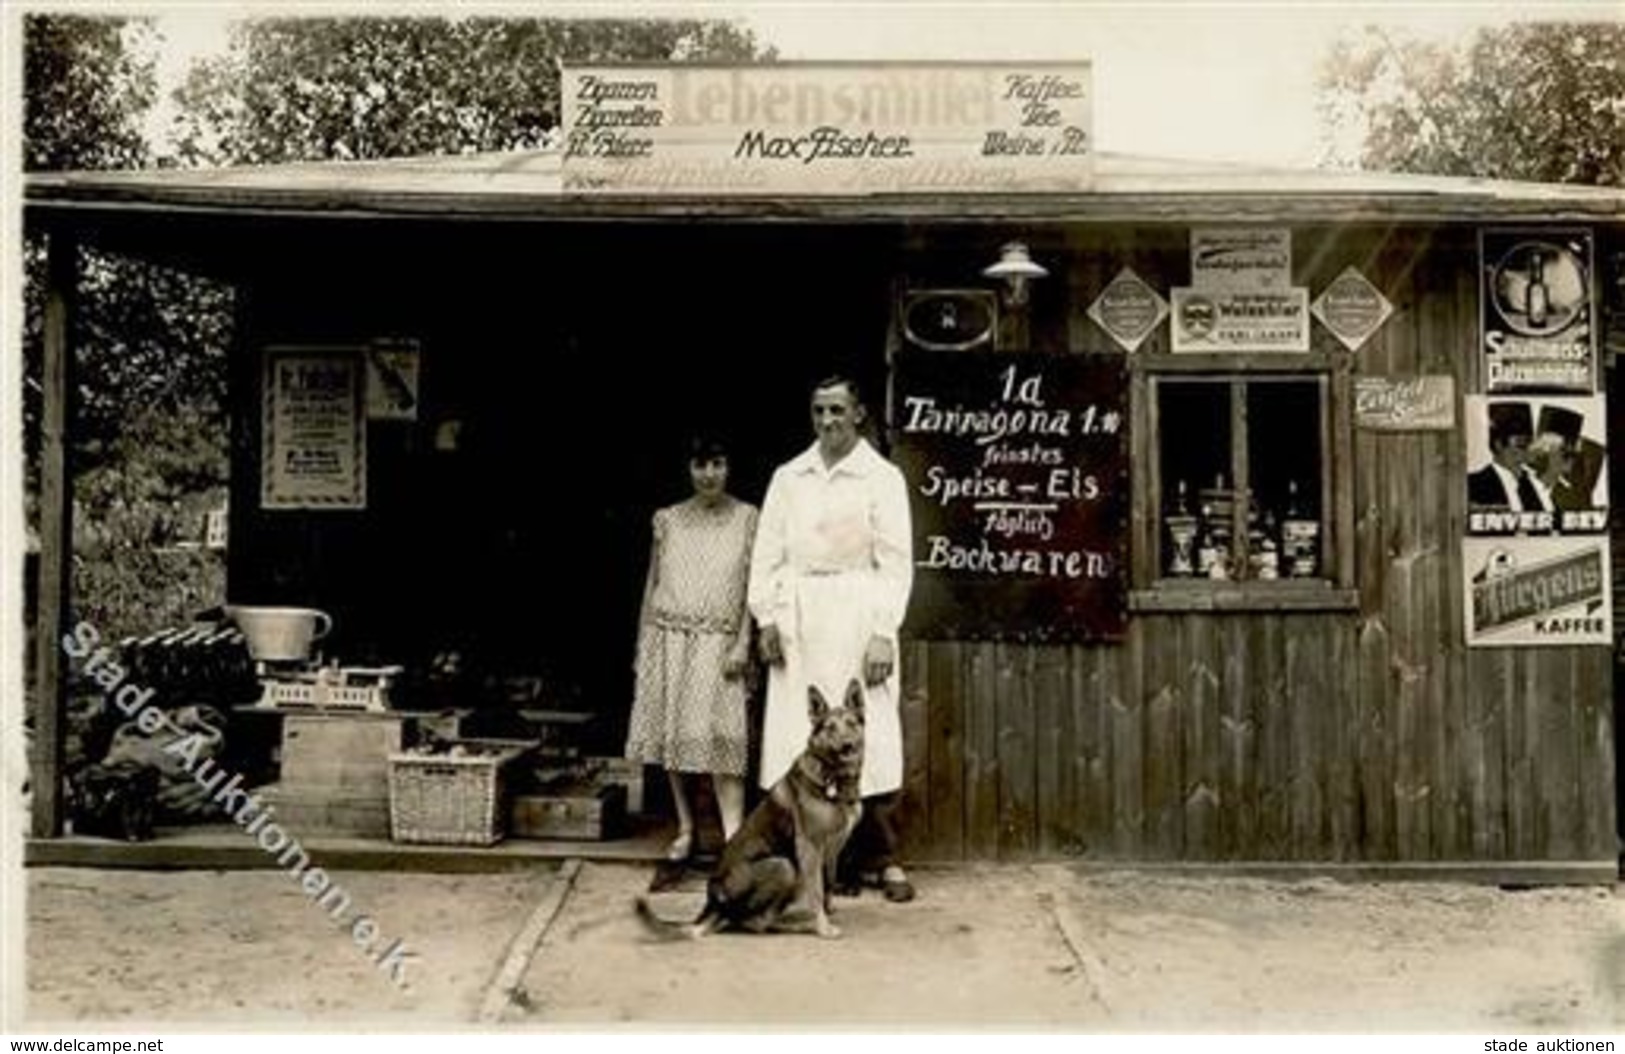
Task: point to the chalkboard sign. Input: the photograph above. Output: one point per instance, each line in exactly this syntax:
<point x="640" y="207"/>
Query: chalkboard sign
<point x="1018" y="485"/>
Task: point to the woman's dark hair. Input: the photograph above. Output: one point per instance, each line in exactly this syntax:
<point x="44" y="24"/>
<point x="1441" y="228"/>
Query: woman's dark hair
<point x="706" y="446"/>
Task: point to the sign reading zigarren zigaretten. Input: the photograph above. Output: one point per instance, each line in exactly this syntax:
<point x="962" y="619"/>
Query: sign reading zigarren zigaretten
<point x="828" y="128"/>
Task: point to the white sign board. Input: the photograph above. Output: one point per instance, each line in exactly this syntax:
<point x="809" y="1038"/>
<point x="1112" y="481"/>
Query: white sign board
<point x="1233" y="320"/>
<point x="313" y="452"/>
<point x="1537" y="591"/>
<point x="828" y="128"/>
<point x="1248" y="259"/>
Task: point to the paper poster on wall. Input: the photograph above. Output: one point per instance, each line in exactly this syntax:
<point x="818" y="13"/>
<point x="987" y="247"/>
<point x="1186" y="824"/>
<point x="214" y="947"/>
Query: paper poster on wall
<point x="1537" y="591"/>
<point x="1538" y="315"/>
<point x="1536" y="464"/>
<point x="392" y="380"/>
<point x="313" y="433"/>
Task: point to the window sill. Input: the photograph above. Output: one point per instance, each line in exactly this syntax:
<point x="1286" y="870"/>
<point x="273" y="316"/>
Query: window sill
<point x="1187" y="595"/>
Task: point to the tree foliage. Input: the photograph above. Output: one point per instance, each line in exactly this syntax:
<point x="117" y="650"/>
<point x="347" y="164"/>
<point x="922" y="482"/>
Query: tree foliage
<point x="1531" y="101"/>
<point x="87" y="91"/>
<point x="149" y="426"/>
<point x="340" y="88"/>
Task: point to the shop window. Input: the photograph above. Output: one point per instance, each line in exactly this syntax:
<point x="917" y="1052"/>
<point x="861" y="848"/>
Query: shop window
<point x="1241" y="495"/>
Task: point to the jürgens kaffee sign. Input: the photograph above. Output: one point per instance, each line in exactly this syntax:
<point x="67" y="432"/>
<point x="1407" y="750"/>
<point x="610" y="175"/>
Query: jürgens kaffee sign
<point x="828" y="128"/>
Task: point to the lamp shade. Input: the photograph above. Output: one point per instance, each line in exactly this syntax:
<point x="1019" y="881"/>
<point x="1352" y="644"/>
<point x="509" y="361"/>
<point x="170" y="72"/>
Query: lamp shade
<point x="1014" y="263"/>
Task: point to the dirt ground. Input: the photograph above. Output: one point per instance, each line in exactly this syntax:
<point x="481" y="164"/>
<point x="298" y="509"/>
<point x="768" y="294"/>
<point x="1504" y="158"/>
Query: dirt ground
<point x="1045" y="947"/>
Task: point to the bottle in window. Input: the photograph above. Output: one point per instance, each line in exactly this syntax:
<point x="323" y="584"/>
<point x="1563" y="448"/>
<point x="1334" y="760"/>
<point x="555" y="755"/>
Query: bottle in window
<point x="1300" y="537"/>
<point x="1218" y="505"/>
<point x="1537" y="298"/>
<point x="1267" y="561"/>
<point x="1182" y="536"/>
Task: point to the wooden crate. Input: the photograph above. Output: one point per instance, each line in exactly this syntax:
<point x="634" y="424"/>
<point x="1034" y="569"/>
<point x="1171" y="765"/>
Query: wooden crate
<point x="302" y="813"/>
<point x="586" y="812"/>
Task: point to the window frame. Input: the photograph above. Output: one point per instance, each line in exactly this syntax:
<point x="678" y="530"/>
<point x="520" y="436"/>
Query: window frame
<point x="1333" y="590"/>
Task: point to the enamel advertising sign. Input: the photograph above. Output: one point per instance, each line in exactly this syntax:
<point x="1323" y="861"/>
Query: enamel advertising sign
<point x="1352" y="308"/>
<point x="1128" y="309"/>
<point x="1537" y="310"/>
<point x="829" y="128"/>
<point x="1537" y="591"/>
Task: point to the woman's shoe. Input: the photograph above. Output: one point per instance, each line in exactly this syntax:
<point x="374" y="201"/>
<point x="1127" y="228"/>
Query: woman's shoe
<point x="895" y="885"/>
<point x="681" y="847"/>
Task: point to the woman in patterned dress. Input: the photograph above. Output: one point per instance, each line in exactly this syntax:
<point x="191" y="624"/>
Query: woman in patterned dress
<point x="688" y="713"/>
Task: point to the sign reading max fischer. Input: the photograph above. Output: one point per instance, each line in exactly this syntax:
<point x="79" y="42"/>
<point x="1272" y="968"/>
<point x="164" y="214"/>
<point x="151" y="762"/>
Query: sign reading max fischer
<point x="1017" y="472"/>
<point x="828" y="128"/>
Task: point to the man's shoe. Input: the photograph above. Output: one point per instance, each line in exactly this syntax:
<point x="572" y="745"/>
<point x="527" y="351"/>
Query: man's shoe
<point x="896" y="886"/>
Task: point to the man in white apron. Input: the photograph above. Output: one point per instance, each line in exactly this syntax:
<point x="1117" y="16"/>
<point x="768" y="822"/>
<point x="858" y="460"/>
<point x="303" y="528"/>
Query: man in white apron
<point x="830" y="576"/>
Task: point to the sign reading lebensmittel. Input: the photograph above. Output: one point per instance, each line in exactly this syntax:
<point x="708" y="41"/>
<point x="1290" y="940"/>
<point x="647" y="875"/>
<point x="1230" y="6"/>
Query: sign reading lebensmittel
<point x="828" y="128"/>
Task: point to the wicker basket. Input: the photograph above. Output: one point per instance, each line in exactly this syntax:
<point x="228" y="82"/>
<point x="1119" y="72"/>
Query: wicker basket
<point x="438" y="799"/>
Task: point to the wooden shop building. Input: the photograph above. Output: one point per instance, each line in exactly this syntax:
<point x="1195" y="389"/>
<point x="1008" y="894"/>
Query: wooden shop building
<point x="1198" y="580"/>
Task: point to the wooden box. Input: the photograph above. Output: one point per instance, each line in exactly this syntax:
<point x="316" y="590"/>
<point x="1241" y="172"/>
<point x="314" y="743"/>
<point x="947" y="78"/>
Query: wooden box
<point x="328" y="813"/>
<point x="586" y="812"/>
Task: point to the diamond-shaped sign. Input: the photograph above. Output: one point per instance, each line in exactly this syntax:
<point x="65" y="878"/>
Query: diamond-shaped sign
<point x="1128" y="309"/>
<point x="1352" y="308"/>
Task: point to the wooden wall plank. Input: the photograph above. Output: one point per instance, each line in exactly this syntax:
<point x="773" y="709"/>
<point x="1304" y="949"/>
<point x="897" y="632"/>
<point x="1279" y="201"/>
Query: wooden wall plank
<point x="1127" y="745"/>
<point x="1200" y="775"/>
<point x="1598" y="835"/>
<point x="1267" y="654"/>
<point x="914" y="811"/>
<point x="1166" y="670"/>
<point x="51" y="617"/>
<point x="1238" y="784"/>
<point x="945" y="726"/>
<point x="1055" y="741"/>
<point x="981" y="751"/>
<point x="1017" y="770"/>
<point x="1098" y="677"/>
<point x="1559" y="759"/>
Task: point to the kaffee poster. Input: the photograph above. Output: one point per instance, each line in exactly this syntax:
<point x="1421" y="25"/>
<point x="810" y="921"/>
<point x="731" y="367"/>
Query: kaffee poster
<point x="1537" y="310"/>
<point x="1537" y="591"/>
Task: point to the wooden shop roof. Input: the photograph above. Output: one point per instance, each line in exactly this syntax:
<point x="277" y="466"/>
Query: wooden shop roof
<point x="528" y="186"/>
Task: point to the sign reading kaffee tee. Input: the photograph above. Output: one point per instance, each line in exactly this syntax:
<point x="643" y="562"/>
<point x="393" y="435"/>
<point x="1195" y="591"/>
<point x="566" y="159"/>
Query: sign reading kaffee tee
<point x="828" y="128"/>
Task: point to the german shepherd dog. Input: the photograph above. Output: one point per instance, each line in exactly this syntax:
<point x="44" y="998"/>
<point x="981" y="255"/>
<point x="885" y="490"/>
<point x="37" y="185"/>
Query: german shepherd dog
<point x="783" y="856"/>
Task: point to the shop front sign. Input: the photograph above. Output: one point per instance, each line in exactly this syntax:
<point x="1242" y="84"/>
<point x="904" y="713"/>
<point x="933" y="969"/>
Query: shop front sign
<point x="828" y="128"/>
<point x="1128" y="309"/>
<point x="1538" y="314"/>
<point x="1017" y="468"/>
<point x="1352" y="308"/>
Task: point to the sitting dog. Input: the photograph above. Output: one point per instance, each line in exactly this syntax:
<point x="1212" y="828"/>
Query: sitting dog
<point x="784" y="854"/>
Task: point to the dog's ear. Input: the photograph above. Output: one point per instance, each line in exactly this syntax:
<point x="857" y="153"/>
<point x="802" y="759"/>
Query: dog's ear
<point x="854" y="696"/>
<point x="817" y="705"/>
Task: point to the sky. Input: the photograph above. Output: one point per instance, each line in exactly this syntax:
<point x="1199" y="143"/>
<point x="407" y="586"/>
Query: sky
<point x="1202" y="80"/>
